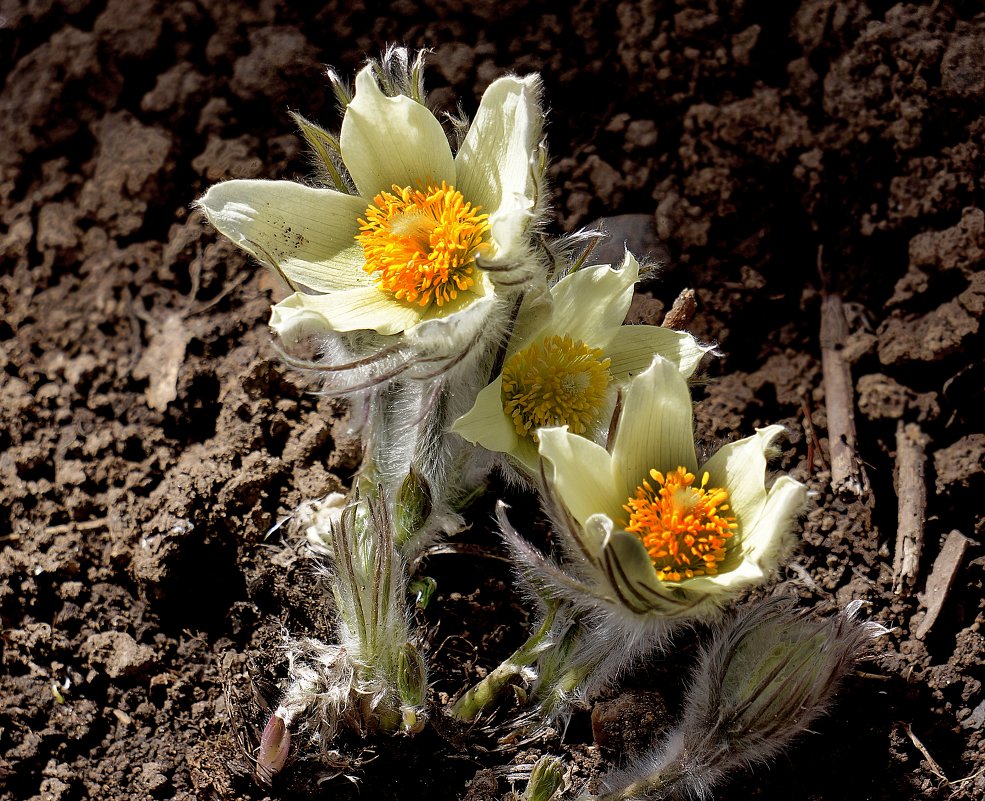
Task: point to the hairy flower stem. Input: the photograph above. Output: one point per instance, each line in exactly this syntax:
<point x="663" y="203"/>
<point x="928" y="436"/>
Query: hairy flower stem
<point x="562" y="666"/>
<point x="482" y="695"/>
<point x="371" y="599"/>
<point x="675" y="764"/>
<point x="651" y="788"/>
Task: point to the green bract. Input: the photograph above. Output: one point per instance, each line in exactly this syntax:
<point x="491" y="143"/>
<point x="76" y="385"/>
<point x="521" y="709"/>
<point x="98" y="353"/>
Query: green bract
<point x="308" y="235"/>
<point x="586" y="307"/>
<point x="655" y="432"/>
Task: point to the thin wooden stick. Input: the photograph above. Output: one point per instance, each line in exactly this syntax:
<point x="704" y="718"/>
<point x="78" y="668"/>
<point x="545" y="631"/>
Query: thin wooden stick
<point x="941" y="580"/>
<point x="847" y="475"/>
<point x="81" y="525"/>
<point x="936" y="769"/>
<point x="911" y="489"/>
<point x="813" y="443"/>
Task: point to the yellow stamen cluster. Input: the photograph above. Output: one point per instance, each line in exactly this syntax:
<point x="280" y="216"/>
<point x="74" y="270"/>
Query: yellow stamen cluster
<point x="421" y="244"/>
<point x="556" y="382"/>
<point x="682" y="527"/>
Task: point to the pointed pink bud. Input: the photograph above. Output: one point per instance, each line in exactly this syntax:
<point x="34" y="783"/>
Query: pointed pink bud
<point x="275" y="743"/>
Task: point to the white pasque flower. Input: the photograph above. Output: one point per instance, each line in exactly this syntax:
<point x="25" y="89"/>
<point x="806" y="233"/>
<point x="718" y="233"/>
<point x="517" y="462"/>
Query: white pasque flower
<point x="411" y="243"/>
<point x="658" y="532"/>
<point x="567" y="361"/>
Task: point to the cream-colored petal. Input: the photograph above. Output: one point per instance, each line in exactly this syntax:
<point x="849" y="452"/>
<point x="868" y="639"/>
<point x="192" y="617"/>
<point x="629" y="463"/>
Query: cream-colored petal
<point x="293" y="322"/>
<point x="592" y="538"/>
<point x="765" y="543"/>
<point x="508" y="233"/>
<point x="456" y="326"/>
<point x="392" y="140"/>
<point x="740" y="467"/>
<point x="632" y="573"/>
<point x="700" y="586"/>
<point x="309" y="234"/>
<point x="769" y="538"/>
<point x="655" y="428"/>
<point x="361" y="309"/>
<point x="494" y="162"/>
<point x="633" y="347"/>
<point x="591" y="304"/>
<point x="463" y="300"/>
<point x="580" y="472"/>
<point x="525" y="457"/>
<point x="486" y="424"/>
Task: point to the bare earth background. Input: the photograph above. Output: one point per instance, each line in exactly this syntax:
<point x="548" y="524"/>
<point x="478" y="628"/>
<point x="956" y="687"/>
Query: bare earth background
<point x="149" y="439"/>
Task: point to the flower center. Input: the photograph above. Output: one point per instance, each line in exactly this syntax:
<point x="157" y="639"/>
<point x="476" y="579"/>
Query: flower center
<point x="682" y="527"/>
<point x="421" y="243"/>
<point x="553" y="383"/>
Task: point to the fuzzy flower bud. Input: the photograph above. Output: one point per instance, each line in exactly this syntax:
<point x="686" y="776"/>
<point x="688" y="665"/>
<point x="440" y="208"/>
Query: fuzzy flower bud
<point x="412" y="685"/>
<point x="275" y="744"/>
<point x="545" y="779"/>
<point x="413" y="505"/>
<point x="767" y="674"/>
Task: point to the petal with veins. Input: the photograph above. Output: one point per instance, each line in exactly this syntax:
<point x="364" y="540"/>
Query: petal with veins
<point x="308" y="233"/>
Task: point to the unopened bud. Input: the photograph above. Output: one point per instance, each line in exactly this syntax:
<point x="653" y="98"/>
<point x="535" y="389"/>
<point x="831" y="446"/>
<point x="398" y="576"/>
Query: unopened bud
<point x="768" y="673"/>
<point x="545" y="779"/>
<point x="412" y="684"/>
<point x="413" y="504"/>
<point x="275" y="744"/>
<point x="412" y="676"/>
<point x="776" y="669"/>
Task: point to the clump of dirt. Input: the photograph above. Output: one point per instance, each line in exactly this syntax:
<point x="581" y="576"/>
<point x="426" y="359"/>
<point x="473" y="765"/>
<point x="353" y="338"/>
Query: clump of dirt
<point x="767" y="157"/>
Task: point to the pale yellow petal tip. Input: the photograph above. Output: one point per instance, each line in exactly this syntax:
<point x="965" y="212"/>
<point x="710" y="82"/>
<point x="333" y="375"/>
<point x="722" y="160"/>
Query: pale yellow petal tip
<point x="507" y="231"/>
<point x="366" y="79"/>
<point x="498" y="166"/>
<point x="225" y="208"/>
<point x="531" y="82"/>
<point x="292" y="322"/>
<point x="484" y="424"/>
<point x="630" y="267"/>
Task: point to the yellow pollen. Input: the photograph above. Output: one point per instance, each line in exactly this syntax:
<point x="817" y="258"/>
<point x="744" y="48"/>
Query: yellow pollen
<point x="556" y="382"/>
<point x="421" y="244"/>
<point x="682" y="527"/>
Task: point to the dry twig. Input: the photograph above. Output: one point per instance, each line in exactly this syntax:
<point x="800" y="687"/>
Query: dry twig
<point x="941" y="579"/>
<point x="80" y="525"/>
<point x="813" y="443"/>
<point x="847" y="474"/>
<point x="911" y="489"/>
<point x="935" y="768"/>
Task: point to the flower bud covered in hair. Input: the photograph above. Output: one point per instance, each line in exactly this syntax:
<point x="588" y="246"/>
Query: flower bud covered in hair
<point x="768" y="673"/>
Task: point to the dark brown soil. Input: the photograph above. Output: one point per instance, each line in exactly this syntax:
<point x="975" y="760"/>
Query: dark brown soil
<point x="150" y="440"/>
